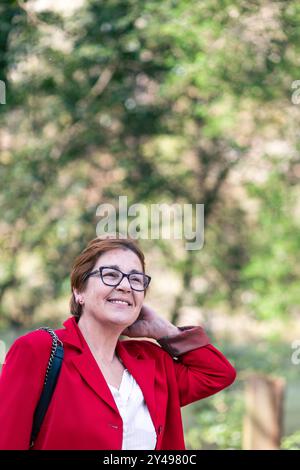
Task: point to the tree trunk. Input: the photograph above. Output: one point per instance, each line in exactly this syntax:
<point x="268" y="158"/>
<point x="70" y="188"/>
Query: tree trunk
<point x="263" y="417"/>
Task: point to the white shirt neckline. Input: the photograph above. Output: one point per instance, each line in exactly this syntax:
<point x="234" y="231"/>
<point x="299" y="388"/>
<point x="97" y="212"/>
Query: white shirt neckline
<point x="122" y="380"/>
<point x="138" y="428"/>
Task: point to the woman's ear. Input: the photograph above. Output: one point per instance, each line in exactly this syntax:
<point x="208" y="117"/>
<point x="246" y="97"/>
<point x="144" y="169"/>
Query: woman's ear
<point x="78" y="297"/>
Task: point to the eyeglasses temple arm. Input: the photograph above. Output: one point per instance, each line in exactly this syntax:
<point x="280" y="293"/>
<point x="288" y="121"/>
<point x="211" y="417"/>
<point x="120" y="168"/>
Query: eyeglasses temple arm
<point x="90" y="274"/>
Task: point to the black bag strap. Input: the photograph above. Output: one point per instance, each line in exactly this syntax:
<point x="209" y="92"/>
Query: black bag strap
<point x="52" y="373"/>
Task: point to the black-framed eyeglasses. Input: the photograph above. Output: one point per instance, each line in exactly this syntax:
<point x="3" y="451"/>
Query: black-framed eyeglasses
<point x="113" y="277"/>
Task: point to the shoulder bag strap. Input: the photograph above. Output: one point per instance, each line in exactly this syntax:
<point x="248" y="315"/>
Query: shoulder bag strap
<point x="52" y="373"/>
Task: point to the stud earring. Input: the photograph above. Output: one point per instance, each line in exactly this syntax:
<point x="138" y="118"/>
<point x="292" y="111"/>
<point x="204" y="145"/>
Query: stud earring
<point x="79" y="300"/>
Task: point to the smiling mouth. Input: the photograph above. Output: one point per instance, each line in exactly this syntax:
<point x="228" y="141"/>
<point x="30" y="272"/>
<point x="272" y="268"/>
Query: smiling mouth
<point x="120" y="302"/>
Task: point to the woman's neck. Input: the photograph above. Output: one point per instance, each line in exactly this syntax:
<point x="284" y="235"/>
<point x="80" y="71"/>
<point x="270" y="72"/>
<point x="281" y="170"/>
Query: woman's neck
<point x="100" y="340"/>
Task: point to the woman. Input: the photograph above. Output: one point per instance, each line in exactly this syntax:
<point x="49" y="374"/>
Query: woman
<point x="110" y="394"/>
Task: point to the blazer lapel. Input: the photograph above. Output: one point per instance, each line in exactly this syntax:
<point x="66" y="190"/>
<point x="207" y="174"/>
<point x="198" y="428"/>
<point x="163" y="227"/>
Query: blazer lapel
<point x="92" y="375"/>
<point x="143" y="371"/>
<point x="85" y="362"/>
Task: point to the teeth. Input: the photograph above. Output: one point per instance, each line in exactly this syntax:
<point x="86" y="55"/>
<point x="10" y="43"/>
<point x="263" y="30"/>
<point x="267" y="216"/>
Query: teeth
<point x="118" y="302"/>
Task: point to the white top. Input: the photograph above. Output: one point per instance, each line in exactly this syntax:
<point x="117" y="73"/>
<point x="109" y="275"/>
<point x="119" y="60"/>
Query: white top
<point x="138" y="429"/>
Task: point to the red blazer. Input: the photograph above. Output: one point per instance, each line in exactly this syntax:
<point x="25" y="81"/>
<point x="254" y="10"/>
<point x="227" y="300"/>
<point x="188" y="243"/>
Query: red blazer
<point x="82" y="413"/>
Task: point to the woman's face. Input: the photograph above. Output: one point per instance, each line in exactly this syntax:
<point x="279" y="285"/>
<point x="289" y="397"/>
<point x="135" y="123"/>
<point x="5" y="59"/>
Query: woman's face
<point x="97" y="295"/>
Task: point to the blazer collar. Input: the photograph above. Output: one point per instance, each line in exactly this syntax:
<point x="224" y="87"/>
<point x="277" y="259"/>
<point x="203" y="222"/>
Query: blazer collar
<point x="143" y="370"/>
<point x="72" y="334"/>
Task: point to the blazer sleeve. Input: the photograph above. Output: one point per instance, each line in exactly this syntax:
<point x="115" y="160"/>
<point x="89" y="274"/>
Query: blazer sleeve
<point x="21" y="383"/>
<point x="201" y="369"/>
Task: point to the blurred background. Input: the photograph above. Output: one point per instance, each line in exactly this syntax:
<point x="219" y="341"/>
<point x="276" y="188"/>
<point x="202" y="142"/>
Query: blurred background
<point x="174" y="101"/>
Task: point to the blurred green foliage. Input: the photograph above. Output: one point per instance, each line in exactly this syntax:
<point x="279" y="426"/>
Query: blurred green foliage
<point x="217" y="422"/>
<point x="173" y="101"/>
<point x="291" y="442"/>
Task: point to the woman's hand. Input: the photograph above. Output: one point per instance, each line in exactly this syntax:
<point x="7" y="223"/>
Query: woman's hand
<point x="150" y="325"/>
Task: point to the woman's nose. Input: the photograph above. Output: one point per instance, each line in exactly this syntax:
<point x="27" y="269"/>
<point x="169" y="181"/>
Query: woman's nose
<point x="124" y="284"/>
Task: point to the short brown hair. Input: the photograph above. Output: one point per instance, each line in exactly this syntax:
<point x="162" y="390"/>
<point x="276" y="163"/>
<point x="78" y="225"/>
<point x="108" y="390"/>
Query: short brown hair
<point x="87" y="259"/>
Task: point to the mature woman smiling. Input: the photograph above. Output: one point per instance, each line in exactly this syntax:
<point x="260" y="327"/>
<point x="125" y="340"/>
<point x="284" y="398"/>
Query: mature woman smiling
<point x="111" y="393"/>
